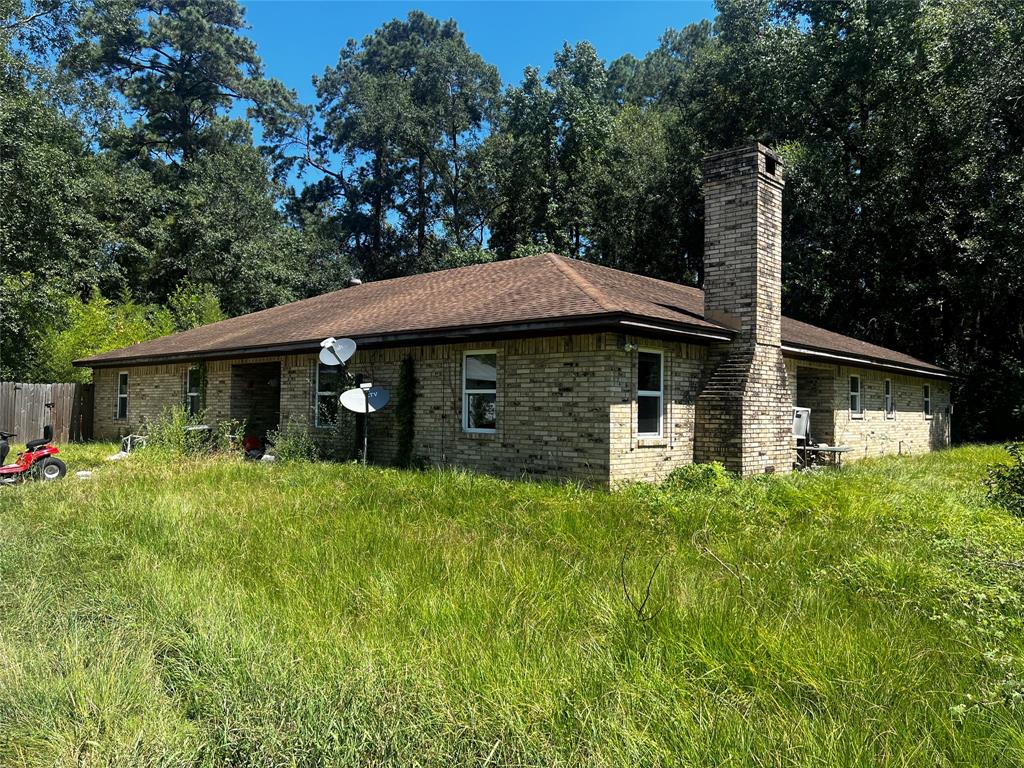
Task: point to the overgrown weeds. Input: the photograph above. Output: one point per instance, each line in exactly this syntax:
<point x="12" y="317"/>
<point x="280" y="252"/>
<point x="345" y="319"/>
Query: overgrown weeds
<point x="293" y="442"/>
<point x="247" y="614"/>
<point x="178" y="432"/>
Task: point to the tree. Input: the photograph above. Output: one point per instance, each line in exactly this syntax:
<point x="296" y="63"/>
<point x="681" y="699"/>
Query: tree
<point x="395" y="134"/>
<point x="95" y="326"/>
<point x="209" y="210"/>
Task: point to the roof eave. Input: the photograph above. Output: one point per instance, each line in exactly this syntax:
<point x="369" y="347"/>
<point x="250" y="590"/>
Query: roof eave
<point x="614" y="323"/>
<point x="797" y="350"/>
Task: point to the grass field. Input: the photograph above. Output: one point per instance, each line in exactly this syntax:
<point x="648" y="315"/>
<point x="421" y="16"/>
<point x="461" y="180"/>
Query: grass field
<point x="221" y="613"/>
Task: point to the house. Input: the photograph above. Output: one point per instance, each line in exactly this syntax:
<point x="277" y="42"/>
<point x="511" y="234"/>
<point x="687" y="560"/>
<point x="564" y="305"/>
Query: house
<point x="550" y="367"/>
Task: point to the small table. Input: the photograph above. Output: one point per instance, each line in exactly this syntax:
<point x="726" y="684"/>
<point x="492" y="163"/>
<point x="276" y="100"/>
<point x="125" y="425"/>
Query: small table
<point x="829" y="455"/>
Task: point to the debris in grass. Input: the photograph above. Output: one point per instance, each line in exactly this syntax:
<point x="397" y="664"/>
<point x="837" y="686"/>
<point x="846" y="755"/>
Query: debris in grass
<point x="83" y="474"/>
<point x="117" y="456"/>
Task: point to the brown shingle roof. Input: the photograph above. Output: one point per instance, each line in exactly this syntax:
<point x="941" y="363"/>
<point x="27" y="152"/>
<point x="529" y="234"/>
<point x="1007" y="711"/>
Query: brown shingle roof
<point x="531" y="292"/>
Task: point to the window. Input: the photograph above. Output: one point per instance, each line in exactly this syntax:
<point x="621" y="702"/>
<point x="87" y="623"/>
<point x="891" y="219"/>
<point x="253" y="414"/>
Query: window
<point x="927" y="401"/>
<point x="648" y="393"/>
<point x="855" y="408"/>
<point x="121" y="408"/>
<point x="328" y="390"/>
<point x="890" y="407"/>
<point x="193" y="386"/>
<point x="480" y="391"/>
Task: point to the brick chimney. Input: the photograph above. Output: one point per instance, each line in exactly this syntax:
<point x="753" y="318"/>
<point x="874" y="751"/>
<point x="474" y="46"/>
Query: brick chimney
<point x="744" y="412"/>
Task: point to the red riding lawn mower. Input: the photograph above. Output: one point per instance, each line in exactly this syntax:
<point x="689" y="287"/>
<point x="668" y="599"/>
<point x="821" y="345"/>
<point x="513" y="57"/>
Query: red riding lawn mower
<point x="37" y="462"/>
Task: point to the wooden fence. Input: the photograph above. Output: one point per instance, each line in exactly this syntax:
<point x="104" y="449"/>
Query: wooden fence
<point x="26" y="408"/>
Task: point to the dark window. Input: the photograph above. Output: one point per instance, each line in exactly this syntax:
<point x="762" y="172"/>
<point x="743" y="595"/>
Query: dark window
<point x="121" y="409"/>
<point x="328" y="390"/>
<point x="192" y="391"/>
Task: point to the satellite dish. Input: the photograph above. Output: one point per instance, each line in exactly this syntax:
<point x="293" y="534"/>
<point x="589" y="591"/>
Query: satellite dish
<point x="361" y="400"/>
<point x="336" y="351"/>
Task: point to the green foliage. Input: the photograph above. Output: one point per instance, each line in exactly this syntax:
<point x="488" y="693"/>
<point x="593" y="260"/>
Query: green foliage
<point x="95" y="326"/>
<point x="449" y="619"/>
<point x="698" y="477"/>
<point x="193" y="305"/>
<point x="171" y="433"/>
<point x="1005" y="482"/>
<point x="126" y="168"/>
<point x="292" y="442"/>
<point x="228" y="435"/>
<point x="403" y="113"/>
<point x="405" y="412"/>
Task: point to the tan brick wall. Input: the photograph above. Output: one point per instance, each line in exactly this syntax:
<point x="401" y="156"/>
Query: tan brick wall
<point x="872" y="433"/>
<point x="553" y="399"/>
<point x="154" y="388"/>
<point x="909" y="431"/>
<point x="566" y="406"/>
<point x="651" y="459"/>
<point x="151" y="389"/>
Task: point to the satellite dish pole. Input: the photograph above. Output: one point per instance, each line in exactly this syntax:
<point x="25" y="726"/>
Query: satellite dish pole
<point x="366" y="420"/>
<point x="365" y="398"/>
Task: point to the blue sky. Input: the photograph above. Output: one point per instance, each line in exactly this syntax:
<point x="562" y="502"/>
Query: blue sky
<point x="297" y="39"/>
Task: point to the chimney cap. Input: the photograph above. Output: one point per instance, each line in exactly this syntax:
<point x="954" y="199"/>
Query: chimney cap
<point x="751" y="158"/>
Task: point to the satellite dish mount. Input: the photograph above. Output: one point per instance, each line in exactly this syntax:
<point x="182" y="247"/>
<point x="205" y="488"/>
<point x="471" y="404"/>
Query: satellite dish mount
<point x="364" y="399"/>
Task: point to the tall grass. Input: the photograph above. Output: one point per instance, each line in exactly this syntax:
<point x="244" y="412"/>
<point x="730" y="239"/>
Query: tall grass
<point x="216" y="612"/>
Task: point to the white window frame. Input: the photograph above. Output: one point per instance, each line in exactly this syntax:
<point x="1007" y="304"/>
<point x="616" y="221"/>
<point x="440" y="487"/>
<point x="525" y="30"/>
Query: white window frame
<point x="858" y="412"/>
<point x="659" y="393"/>
<point x="467" y="392"/>
<point x="928" y="401"/>
<point x="118" y="397"/>
<point x="318" y="393"/>
<point x="190" y="393"/>
<point x="889" y="399"/>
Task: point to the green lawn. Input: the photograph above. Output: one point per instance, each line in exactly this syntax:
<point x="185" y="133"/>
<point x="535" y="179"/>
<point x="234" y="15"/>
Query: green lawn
<point x="222" y="613"/>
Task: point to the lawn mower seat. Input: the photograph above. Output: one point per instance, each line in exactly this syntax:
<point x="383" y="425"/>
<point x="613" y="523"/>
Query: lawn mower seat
<point x="31" y="445"/>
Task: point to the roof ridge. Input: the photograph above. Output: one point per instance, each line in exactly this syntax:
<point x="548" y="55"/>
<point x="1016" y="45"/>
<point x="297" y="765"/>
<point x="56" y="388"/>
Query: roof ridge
<point x="592" y="291"/>
<point x="668" y="283"/>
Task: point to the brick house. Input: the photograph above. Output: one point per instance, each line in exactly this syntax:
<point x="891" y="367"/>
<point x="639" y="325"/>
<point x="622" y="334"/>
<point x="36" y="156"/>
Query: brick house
<point x="546" y="366"/>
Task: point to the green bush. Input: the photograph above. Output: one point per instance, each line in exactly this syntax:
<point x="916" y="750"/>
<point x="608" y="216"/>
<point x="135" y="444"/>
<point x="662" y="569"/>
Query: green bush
<point x="170" y="432"/>
<point x="698" y="477"/>
<point x="227" y="435"/>
<point x="293" y="442"/>
<point x="1006" y="481"/>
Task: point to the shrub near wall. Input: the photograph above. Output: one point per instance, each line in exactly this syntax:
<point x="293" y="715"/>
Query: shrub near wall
<point x="1006" y="481"/>
<point x="171" y="432"/>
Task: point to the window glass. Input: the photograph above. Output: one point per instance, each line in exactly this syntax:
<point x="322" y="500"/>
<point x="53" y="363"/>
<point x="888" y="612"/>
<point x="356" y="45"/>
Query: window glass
<point x="648" y="393"/>
<point x="328" y="389"/>
<point x="648" y="372"/>
<point x="480" y="391"/>
<point x="889" y="406"/>
<point x="648" y="420"/>
<point x="192" y="391"/>
<point x="927" y="400"/>
<point x="481" y="411"/>
<point x="481" y="371"/>
<point x="121" y="409"/>
<point x="855" y="394"/>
